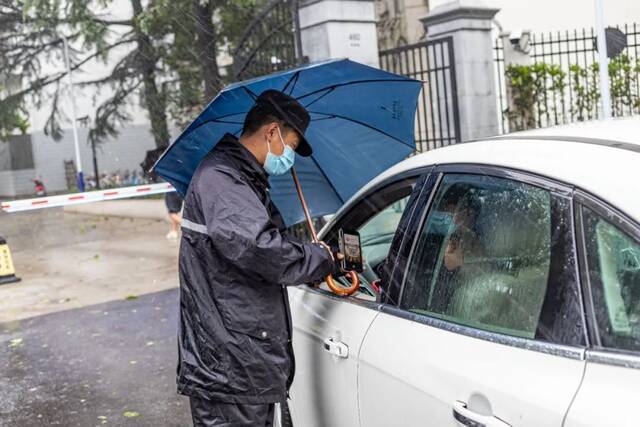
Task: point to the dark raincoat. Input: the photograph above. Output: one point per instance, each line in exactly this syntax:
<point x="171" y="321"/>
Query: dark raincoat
<point x="235" y="325"/>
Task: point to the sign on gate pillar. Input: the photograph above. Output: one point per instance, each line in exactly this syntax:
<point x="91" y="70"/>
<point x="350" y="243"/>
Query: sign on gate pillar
<point x="468" y="22"/>
<point x="339" y="29"/>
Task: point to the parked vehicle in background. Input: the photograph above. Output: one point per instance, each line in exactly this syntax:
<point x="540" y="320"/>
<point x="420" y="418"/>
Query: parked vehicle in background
<point x="510" y="271"/>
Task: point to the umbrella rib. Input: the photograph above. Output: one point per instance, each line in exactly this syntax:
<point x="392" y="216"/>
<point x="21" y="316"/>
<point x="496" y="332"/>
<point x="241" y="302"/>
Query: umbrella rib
<point x="327" y="179"/>
<point x="361" y="124"/>
<point x="294" y="79"/>
<point x="331" y="89"/>
<point x="224" y="121"/>
<point x="250" y="92"/>
<point x="405" y="80"/>
<point x="216" y="120"/>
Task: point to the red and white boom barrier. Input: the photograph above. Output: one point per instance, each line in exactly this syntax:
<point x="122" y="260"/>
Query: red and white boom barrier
<point x="86" y="197"/>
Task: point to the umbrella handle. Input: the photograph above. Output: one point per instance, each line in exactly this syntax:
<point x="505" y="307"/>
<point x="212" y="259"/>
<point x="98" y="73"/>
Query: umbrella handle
<point x="353" y="276"/>
<point x="341" y="290"/>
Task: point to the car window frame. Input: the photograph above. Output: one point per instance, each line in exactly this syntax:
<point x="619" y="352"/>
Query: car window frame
<point x="402" y="249"/>
<point x="553" y="186"/>
<point x="596" y="352"/>
<point x="344" y="215"/>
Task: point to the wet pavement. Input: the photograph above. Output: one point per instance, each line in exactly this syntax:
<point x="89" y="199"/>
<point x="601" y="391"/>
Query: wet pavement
<point x="105" y="364"/>
<point x="69" y="261"/>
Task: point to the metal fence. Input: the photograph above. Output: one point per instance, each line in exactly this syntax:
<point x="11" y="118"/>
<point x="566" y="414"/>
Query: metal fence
<point x="271" y="41"/>
<point x="576" y="97"/>
<point x="498" y="58"/>
<point x="437" y="119"/>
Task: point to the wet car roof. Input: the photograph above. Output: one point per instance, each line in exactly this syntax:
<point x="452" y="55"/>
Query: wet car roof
<point x="624" y="131"/>
<point x="599" y="157"/>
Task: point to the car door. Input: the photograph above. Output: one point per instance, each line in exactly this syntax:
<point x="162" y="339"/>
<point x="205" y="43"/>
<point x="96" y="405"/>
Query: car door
<point x="488" y="328"/>
<point x="610" y="246"/>
<point x="328" y="329"/>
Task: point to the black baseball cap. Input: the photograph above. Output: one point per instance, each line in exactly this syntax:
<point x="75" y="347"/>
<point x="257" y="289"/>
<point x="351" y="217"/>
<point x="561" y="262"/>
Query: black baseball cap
<point x="290" y="111"/>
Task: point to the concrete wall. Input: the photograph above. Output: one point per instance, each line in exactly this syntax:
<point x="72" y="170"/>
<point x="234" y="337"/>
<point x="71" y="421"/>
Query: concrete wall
<point x="17" y="153"/>
<point x="5" y="156"/>
<point x="398" y="22"/>
<point x="16" y="166"/>
<point x="16" y="183"/>
<point x="339" y="29"/>
<point x="469" y="23"/>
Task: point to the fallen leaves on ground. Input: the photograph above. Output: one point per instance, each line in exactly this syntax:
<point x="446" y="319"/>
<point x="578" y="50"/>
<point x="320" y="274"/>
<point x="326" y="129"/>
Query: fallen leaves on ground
<point x="15" y="342"/>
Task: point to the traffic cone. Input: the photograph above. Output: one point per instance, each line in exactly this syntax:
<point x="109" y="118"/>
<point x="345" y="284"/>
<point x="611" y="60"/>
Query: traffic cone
<point x="7" y="271"/>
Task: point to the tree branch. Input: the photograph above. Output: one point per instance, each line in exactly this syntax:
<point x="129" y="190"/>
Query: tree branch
<point x="123" y="22"/>
<point x="47" y="80"/>
<point x="111" y="113"/>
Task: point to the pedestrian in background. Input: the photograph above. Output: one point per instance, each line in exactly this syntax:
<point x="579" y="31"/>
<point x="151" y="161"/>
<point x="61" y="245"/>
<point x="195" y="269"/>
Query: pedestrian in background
<point x="173" y="201"/>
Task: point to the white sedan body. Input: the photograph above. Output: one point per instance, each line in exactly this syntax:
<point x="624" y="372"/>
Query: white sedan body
<point x="510" y="271"/>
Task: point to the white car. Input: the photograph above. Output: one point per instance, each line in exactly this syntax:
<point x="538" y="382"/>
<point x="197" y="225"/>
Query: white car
<point x="510" y="277"/>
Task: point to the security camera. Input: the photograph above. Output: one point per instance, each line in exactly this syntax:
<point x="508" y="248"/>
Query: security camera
<point x="520" y="40"/>
<point x="514" y="37"/>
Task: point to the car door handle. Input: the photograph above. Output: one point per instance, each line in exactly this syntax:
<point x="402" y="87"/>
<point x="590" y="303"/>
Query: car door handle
<point x="337" y="348"/>
<point x="469" y="418"/>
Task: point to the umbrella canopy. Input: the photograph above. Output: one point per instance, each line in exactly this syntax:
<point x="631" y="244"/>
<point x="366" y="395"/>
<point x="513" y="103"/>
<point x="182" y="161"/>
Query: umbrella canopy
<point x="362" y="122"/>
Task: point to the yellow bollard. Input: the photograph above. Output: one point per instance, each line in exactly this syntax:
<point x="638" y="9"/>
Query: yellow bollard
<point x="7" y="270"/>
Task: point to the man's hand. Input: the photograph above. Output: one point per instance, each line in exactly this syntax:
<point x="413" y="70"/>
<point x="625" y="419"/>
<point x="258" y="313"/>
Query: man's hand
<point x="334" y="255"/>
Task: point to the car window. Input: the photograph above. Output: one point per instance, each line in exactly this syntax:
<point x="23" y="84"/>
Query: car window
<point x="377" y="234"/>
<point x="376" y="217"/>
<point x="485" y="259"/>
<point x="613" y="260"/>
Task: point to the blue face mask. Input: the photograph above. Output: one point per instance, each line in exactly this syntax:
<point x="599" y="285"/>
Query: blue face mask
<point x="278" y="165"/>
<point x="441" y="223"/>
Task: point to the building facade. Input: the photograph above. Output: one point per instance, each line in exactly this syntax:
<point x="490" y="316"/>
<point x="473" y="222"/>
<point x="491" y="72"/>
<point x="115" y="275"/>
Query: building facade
<point x="37" y="156"/>
<point x="399" y="22"/>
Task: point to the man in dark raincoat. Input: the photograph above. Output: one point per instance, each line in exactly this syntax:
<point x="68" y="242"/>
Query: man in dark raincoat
<point x="235" y="353"/>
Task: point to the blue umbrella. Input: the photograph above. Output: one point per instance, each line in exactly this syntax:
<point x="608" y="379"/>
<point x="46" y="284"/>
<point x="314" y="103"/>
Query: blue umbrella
<point x="362" y="122"/>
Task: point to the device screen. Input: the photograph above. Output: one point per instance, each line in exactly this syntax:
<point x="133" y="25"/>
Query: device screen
<point x="350" y="247"/>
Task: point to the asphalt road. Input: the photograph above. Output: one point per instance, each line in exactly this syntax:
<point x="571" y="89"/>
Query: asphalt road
<point x="88" y="337"/>
<point x="106" y="364"/>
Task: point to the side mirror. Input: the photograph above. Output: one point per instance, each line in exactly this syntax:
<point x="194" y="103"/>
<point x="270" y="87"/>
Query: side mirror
<point x="377" y="287"/>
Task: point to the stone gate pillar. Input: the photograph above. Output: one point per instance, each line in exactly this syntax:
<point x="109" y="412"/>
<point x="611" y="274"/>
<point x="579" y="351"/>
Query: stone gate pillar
<point x="339" y="29"/>
<point x="468" y="22"/>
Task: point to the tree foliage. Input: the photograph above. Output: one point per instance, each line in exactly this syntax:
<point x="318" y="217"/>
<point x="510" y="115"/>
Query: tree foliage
<point x="531" y="87"/>
<point x="161" y="56"/>
<point x="540" y="93"/>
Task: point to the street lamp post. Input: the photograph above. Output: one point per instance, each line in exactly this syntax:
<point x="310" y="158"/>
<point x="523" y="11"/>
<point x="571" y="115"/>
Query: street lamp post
<point x="80" y="177"/>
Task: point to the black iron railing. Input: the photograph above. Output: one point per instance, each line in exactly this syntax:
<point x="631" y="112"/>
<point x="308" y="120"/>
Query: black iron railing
<point x="271" y="41"/>
<point x="575" y="54"/>
<point x="437" y="119"/>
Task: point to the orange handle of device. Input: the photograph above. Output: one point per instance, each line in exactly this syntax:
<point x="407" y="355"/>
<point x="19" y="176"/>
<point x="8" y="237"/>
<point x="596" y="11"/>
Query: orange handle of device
<point x="341" y="290"/>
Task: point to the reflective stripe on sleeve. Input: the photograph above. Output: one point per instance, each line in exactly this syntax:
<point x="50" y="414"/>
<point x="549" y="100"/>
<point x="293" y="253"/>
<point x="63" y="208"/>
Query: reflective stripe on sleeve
<point x="198" y="228"/>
